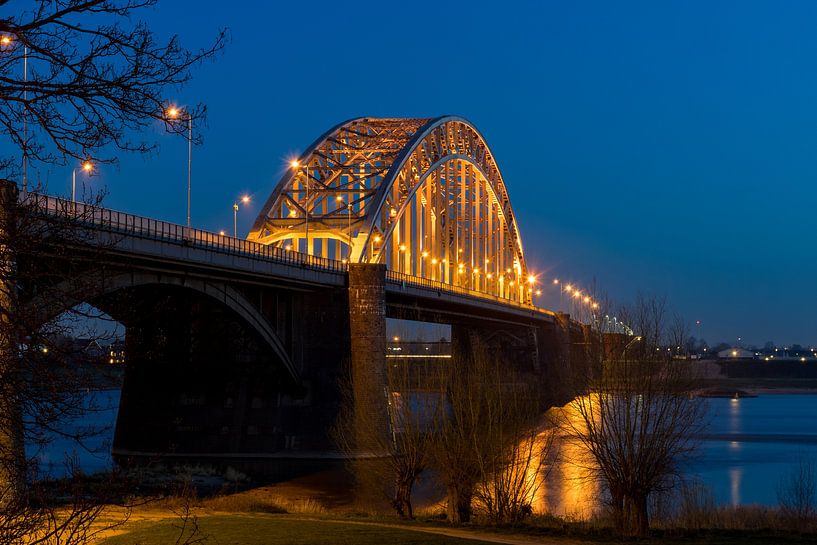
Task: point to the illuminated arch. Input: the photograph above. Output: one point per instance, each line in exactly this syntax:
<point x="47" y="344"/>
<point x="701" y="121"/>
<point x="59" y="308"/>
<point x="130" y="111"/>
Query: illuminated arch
<point x="423" y="196"/>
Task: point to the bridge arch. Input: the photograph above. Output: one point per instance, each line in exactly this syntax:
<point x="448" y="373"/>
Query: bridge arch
<point x="425" y="196"/>
<point x="232" y="299"/>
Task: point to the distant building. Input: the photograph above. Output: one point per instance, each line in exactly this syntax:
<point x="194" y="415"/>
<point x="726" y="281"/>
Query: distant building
<point x="736" y="354"/>
<point x="116" y="353"/>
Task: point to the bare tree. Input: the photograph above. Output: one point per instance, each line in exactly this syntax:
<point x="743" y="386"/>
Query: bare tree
<point x="490" y="444"/>
<point x="389" y="464"/>
<point x="50" y="262"/>
<point x="92" y="78"/>
<point x="636" y="417"/>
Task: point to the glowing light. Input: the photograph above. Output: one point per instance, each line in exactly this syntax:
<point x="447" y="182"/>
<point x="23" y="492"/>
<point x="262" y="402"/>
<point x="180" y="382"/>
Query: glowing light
<point x="538" y="292"/>
<point x="425" y="254"/>
<point x="294" y="163"/>
<point x="577" y="294"/>
<point x="45" y="350"/>
<point x="288" y="247"/>
<point x="173" y="112"/>
<point x="568" y="288"/>
<point x="377" y="238"/>
<point x="396" y="339"/>
<point x="339" y="198"/>
<point x="433" y="260"/>
<point x="490" y="276"/>
<point x="531" y="279"/>
<point x="5" y="40"/>
<point x="393" y="212"/>
<point x="555" y="281"/>
<point x="292" y="213"/>
<point x="595" y="305"/>
<point x="87" y="166"/>
<point x="586" y="299"/>
<point x="221" y="232"/>
<point x="245" y="199"/>
<point x="402" y="247"/>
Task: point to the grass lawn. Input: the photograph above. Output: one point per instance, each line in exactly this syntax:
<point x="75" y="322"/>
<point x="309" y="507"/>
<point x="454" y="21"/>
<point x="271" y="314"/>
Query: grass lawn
<point x="267" y="529"/>
<point x="272" y="530"/>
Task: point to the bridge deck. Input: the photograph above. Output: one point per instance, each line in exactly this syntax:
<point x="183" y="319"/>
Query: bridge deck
<point x="168" y="241"/>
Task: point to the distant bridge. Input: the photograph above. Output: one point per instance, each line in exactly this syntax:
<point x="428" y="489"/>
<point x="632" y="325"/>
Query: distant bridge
<point x="235" y="347"/>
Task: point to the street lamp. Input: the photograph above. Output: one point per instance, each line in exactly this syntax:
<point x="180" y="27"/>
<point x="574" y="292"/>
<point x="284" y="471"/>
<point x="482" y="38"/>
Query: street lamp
<point x="339" y="200"/>
<point x="88" y="167"/>
<point x="174" y="114"/>
<point x="295" y="164"/>
<point x="244" y="200"/>
<point x="7" y="41"/>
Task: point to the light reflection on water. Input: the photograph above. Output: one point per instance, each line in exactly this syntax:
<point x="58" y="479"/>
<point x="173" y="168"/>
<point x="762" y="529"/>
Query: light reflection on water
<point x="751" y="444"/>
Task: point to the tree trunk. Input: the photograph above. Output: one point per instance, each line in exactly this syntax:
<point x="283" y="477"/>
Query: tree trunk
<point x="12" y="450"/>
<point x="459" y="504"/>
<point x="636" y="518"/>
<point x="617" y="507"/>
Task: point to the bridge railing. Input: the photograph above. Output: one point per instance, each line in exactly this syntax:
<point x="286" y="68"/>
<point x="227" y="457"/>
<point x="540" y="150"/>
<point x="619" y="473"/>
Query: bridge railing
<point x="415" y="281"/>
<point x="143" y="227"/>
<point x="130" y="224"/>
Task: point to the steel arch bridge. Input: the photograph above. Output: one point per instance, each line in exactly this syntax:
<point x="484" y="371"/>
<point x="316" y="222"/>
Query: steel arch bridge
<point x="424" y="196"/>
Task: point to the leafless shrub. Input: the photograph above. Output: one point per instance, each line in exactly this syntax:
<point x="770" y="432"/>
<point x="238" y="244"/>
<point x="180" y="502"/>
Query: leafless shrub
<point x="797" y="495"/>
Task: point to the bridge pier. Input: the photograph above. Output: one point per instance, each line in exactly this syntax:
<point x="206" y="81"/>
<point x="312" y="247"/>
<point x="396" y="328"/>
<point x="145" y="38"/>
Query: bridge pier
<point x="367" y="325"/>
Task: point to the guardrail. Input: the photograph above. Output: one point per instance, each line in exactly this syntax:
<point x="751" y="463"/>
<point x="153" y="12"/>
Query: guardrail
<point x="139" y="226"/>
<point x="418" y="282"/>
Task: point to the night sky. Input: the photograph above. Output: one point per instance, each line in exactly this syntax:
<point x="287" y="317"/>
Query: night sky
<point x="661" y="147"/>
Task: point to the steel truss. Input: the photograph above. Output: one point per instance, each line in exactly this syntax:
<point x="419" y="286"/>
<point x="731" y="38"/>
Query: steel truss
<point x="423" y="196"/>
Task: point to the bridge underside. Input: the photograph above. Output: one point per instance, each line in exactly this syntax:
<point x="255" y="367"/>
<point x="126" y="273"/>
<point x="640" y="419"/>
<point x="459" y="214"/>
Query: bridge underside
<point x="201" y="387"/>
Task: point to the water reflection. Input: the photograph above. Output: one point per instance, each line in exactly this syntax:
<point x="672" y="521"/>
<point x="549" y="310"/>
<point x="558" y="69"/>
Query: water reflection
<point x="570" y="488"/>
<point x="735" y="478"/>
<point x="749" y="446"/>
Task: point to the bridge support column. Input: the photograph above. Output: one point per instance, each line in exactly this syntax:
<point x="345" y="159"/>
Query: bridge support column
<point x="12" y="453"/>
<point x="367" y="325"/>
<point x="560" y="371"/>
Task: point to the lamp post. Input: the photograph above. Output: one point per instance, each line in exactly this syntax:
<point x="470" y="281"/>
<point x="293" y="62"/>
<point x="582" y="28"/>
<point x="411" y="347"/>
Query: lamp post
<point x="295" y="164"/>
<point x="340" y="200"/>
<point x="6" y="42"/>
<point x="244" y="200"/>
<point x="175" y="113"/>
<point x="87" y="166"/>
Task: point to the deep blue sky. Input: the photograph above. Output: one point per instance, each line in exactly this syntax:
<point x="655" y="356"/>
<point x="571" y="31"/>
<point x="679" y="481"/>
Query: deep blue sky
<point x="664" y="147"/>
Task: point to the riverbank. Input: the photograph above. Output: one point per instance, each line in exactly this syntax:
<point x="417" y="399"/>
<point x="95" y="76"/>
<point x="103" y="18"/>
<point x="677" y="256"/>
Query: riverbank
<point x="761" y="386"/>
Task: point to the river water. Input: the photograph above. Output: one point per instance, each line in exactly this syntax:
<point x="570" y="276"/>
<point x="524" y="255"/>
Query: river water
<point x="749" y="446"/>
